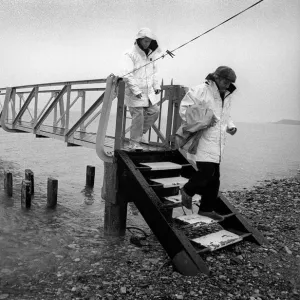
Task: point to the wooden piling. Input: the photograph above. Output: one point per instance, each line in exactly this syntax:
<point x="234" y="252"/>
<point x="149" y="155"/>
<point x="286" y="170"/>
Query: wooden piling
<point x="90" y="176"/>
<point x="30" y="177"/>
<point x="115" y="216"/>
<point x="115" y="213"/>
<point x="8" y="183"/>
<point x="52" y="186"/>
<point x="26" y="194"/>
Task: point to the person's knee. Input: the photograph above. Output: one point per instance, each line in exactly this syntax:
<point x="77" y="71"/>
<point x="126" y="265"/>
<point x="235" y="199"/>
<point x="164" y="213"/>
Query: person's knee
<point x="154" y="110"/>
<point x="155" y="113"/>
<point x="136" y="112"/>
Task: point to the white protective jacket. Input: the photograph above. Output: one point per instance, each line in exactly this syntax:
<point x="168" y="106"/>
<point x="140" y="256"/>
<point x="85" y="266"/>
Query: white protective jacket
<point x="211" y="144"/>
<point x="141" y="80"/>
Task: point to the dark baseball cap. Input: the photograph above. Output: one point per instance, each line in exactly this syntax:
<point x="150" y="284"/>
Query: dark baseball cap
<point x="225" y="72"/>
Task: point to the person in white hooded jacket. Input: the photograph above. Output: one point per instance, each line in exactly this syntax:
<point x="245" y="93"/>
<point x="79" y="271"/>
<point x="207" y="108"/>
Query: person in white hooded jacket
<point x="216" y="92"/>
<point x="141" y="85"/>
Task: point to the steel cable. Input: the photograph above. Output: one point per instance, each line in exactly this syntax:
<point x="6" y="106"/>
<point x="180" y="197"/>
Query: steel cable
<point x="170" y="53"/>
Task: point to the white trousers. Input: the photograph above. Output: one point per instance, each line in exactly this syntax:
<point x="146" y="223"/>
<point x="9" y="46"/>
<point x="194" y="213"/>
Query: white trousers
<point x="142" y="119"/>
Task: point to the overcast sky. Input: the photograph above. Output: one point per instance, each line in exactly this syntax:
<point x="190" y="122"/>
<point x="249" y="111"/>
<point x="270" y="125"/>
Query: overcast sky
<point x="63" y="40"/>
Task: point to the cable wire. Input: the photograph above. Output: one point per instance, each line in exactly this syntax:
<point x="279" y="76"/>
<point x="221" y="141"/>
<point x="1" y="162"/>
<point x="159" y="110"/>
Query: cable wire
<point x="211" y="29"/>
<point x="171" y="53"/>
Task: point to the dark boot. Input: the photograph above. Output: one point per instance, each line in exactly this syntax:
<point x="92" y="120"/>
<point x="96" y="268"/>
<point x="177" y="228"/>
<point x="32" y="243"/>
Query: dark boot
<point x="186" y="199"/>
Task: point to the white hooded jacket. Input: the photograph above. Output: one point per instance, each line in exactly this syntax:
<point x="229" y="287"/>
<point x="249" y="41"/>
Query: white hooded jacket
<point x="211" y="144"/>
<point x="143" y="79"/>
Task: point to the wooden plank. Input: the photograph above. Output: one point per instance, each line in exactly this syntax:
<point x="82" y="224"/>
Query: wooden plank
<point x="176" y="117"/>
<point x="195" y="219"/>
<point x="171" y="181"/>
<point x="119" y="119"/>
<point x="166" y="165"/>
<point x="178" y="198"/>
<point x="169" y="117"/>
<point x="218" y="240"/>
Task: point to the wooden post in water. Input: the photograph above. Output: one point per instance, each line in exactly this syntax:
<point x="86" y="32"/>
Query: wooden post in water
<point x="115" y="213"/>
<point x="52" y="186"/>
<point x="8" y="183"/>
<point x="30" y="177"/>
<point x="90" y="176"/>
<point x="26" y="194"/>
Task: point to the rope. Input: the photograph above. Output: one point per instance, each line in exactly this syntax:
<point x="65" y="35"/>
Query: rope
<point x="171" y="53"/>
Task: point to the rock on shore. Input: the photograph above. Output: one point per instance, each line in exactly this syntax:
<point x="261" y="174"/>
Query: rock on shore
<point x="121" y="270"/>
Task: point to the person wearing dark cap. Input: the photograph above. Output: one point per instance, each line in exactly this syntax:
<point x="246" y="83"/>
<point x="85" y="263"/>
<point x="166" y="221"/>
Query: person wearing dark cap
<point x="216" y="93"/>
<point x="142" y="87"/>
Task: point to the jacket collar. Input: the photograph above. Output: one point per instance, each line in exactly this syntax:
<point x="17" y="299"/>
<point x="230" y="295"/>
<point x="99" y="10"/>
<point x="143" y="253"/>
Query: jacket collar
<point x="142" y="51"/>
<point x="231" y="87"/>
<point x="152" y="47"/>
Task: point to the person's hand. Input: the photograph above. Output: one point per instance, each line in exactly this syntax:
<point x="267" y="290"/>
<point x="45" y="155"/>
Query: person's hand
<point x="157" y="91"/>
<point x="139" y="96"/>
<point x="213" y="122"/>
<point x="232" y="130"/>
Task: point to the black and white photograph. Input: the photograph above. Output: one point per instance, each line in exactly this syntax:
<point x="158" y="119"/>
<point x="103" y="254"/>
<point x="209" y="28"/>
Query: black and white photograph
<point x="150" y="149"/>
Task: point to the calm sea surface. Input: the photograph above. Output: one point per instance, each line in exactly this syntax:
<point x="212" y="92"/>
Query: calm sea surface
<point x="28" y="238"/>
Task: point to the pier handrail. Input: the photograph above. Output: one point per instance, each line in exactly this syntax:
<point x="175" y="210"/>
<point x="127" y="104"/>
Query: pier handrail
<point x="109" y="95"/>
<point x="4" y="111"/>
<point x="24" y="111"/>
<point x="15" y="111"/>
<point x="88" y="81"/>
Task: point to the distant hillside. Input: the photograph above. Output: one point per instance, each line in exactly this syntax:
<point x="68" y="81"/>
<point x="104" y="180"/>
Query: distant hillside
<point x="289" y="122"/>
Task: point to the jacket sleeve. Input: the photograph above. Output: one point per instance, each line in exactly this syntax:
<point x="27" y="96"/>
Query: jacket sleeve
<point x="156" y="85"/>
<point x="128" y="67"/>
<point x="193" y="96"/>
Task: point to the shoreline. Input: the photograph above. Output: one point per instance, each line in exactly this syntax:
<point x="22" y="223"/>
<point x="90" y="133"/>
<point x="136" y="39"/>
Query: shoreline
<point x="119" y="269"/>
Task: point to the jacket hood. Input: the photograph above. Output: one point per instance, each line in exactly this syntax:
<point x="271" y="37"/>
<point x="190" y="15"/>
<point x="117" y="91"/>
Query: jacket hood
<point x="146" y="32"/>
